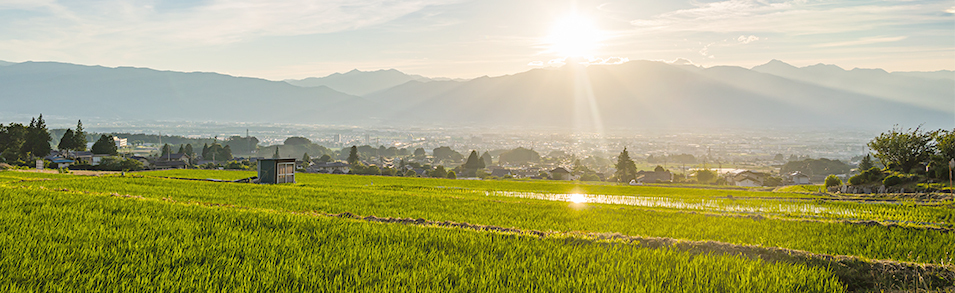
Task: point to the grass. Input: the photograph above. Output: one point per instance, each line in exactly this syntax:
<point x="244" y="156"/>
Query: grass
<point x="54" y="241"/>
<point x="464" y="201"/>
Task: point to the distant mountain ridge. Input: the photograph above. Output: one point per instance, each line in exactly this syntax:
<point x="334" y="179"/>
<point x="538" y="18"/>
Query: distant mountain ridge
<point x="637" y="94"/>
<point x="925" y="89"/>
<point x="358" y="82"/>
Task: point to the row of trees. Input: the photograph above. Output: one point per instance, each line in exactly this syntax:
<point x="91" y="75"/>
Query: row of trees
<point x="20" y="144"/>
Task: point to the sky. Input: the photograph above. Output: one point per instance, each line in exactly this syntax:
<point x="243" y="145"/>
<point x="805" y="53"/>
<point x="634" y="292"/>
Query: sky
<point x="294" y="39"/>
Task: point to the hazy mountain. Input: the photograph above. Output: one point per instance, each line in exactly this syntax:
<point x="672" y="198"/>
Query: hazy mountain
<point x="941" y="74"/>
<point x="636" y="95"/>
<point x="138" y="93"/>
<point x="358" y="82"/>
<point x="642" y="94"/>
<point x="936" y="92"/>
<point x="5" y="63"/>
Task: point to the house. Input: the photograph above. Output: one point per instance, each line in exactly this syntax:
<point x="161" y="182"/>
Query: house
<point x="654" y="177"/>
<point x="799" y="178"/>
<point x="143" y="160"/>
<point x="97" y="158"/>
<point x="560" y="173"/>
<point x="120" y="142"/>
<point x="83" y="157"/>
<point x="501" y="173"/>
<point x="275" y="171"/>
<point x="329" y="168"/>
<point x="174" y="164"/>
<point x="59" y="162"/>
<point x="174" y="157"/>
<point x="747" y="178"/>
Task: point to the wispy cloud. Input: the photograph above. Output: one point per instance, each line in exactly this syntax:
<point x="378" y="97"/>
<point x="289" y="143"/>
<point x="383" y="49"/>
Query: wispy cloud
<point x="789" y="17"/>
<point x="136" y="23"/>
<point x="747" y="40"/>
<point x="861" y="41"/>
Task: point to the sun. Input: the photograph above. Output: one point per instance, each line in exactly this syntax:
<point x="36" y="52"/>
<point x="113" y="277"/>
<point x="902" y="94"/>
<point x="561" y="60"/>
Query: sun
<point x="574" y="36"/>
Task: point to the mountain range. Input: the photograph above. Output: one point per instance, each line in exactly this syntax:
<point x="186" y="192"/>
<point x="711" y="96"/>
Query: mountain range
<point x="637" y="94"/>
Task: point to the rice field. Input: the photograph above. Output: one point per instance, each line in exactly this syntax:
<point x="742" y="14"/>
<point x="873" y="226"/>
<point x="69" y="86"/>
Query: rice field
<point x="918" y="233"/>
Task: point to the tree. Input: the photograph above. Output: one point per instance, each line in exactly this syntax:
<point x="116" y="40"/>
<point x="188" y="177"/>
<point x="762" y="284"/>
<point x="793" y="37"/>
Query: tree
<point x="832" y="180"/>
<point x="66" y="142"/>
<point x="297" y="140"/>
<point x="452" y="175"/>
<point x="411" y="173"/>
<point x="225" y="154"/>
<point x="276" y="154"/>
<point x="325" y="159"/>
<point x="474" y="162"/>
<point x="706" y="176"/>
<point x="866" y="163"/>
<point x="626" y="168"/>
<point x="188" y="151"/>
<point x="37" y="140"/>
<point x="353" y="155"/>
<point x="166" y="151"/>
<point x="519" y="156"/>
<point x="205" y="150"/>
<point x="182" y="150"/>
<point x="659" y="169"/>
<point x="79" y="137"/>
<point x="905" y="148"/>
<point x="104" y="145"/>
<point x="486" y="157"/>
<point x="306" y="160"/>
<point x="439" y="172"/>
<point x="419" y="153"/>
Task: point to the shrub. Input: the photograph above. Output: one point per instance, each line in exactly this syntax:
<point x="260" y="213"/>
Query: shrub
<point x="892" y="180"/>
<point x="452" y="175"/>
<point x="832" y="180"/>
<point x="858" y="179"/>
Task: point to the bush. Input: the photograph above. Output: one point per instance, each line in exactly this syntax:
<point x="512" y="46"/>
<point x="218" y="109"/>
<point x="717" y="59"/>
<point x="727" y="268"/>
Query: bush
<point x="858" y="179"/>
<point x="892" y="180"/>
<point x="832" y="180"/>
<point x="452" y="175"/>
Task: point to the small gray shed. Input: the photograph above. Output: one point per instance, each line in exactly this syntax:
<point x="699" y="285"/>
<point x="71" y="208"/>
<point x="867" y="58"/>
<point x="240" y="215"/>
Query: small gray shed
<point x="272" y="171"/>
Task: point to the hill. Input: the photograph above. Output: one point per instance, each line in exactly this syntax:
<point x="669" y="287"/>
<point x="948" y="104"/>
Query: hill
<point x="358" y="82"/>
<point x="139" y="93"/>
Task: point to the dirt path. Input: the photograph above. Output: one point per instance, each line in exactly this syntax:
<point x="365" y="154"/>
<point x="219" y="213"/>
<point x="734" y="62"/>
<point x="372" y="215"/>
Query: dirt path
<point x="74" y="172"/>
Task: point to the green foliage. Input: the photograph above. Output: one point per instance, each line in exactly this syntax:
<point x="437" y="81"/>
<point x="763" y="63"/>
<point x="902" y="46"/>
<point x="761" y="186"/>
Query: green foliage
<point x="906" y="148"/>
<point x="452" y="175"/>
<point x="216" y="152"/>
<point x="439" y="172"/>
<point x="166" y="150"/>
<point x="66" y="141"/>
<point x="104" y="145"/>
<point x="411" y="173"/>
<point x="706" y="176"/>
<point x="832" y="180"/>
<point x="353" y="156"/>
<point x="242" y="145"/>
<point x="446" y="154"/>
<point x="626" y="168"/>
<point x="119" y="164"/>
<point x="519" y="156"/>
<point x="857" y="179"/>
<point x="297" y="140"/>
<point x="866" y="163"/>
<point x="79" y="137"/>
<point x="486" y="157"/>
<point x="474" y="162"/>
<point x="772" y="181"/>
<point x="892" y="180"/>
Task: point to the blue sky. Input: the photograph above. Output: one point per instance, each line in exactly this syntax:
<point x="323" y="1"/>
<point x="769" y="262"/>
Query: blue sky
<point x="464" y="39"/>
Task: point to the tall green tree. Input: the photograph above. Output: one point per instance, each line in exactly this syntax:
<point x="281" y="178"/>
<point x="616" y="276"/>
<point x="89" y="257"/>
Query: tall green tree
<point x="79" y="137"/>
<point x="865" y="163"/>
<point x="104" y="145"/>
<point x="189" y="152"/>
<point x="276" y="154"/>
<point x="419" y="153"/>
<point x="38" y="139"/>
<point x="905" y="148"/>
<point x="626" y="168"/>
<point x="166" y="151"/>
<point x="474" y="162"/>
<point x="353" y="158"/>
<point x="182" y="150"/>
<point x="66" y="142"/>
<point x="306" y="160"/>
<point x="486" y="157"/>
<point x="325" y="158"/>
<point x="12" y="138"/>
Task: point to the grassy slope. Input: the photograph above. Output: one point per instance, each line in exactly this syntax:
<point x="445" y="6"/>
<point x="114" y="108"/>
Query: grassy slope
<point x="69" y="241"/>
<point x="431" y="199"/>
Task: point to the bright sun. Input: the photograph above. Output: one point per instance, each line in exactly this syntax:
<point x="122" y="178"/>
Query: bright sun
<point x="574" y="36"/>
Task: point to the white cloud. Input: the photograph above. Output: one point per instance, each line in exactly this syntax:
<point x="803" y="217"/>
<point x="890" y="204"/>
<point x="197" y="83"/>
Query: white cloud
<point x="747" y="40"/>
<point x="950" y="10"/>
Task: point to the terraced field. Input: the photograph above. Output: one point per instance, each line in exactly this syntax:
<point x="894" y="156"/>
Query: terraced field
<point x="409" y="234"/>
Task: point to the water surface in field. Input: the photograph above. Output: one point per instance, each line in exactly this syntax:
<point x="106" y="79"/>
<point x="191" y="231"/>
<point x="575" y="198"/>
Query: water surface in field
<point x="717" y="205"/>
